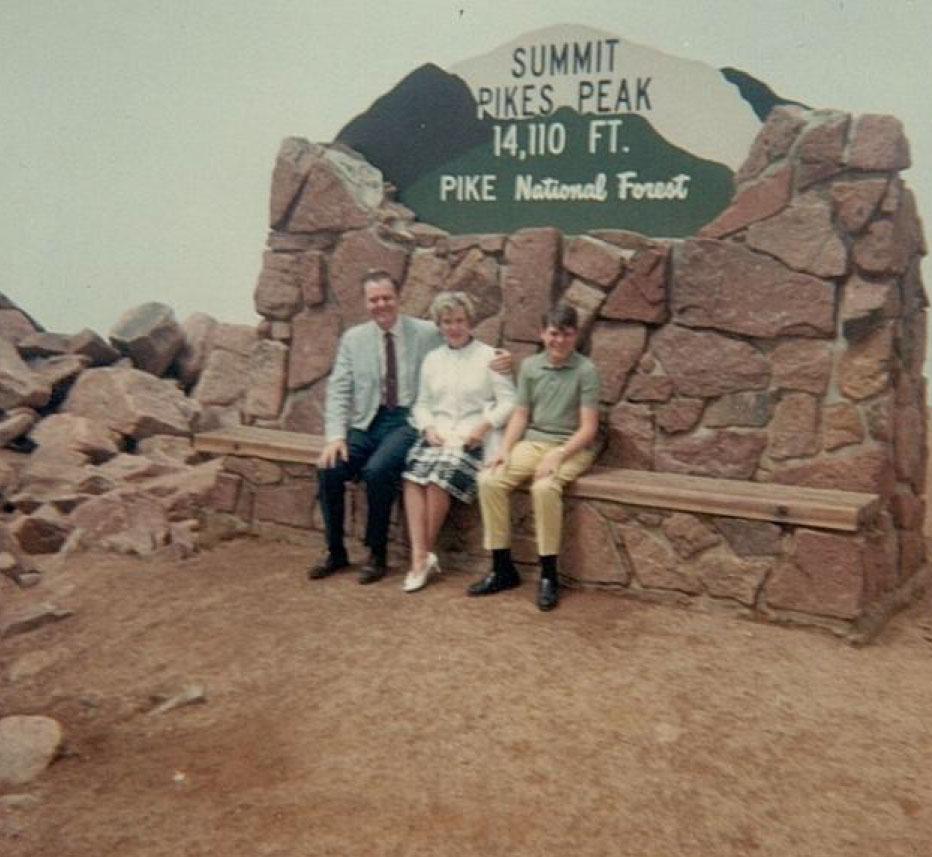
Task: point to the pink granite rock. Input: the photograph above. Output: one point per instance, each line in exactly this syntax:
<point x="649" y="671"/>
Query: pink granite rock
<point x="197" y="332"/>
<point x="225" y="493"/>
<point x="587" y="300"/>
<point x="167" y="449"/>
<point x="59" y="372"/>
<point x="15" y="326"/>
<point x="908" y="509"/>
<point x="265" y="381"/>
<point x="238" y="338"/>
<point x="722" y="454"/>
<point x="13" y="425"/>
<point x="593" y="260"/>
<point x="655" y="564"/>
<point x="773" y="141"/>
<point x="44" y="344"/>
<point x="820" y="149"/>
<point x="356" y="255"/>
<point x="879" y="416"/>
<point x="856" y="202"/>
<point x="878" y="143"/>
<point x="728" y="287"/>
<point x="752" y="203"/>
<point x="42" y="532"/>
<point x="679" y="414"/>
<point x="864" y="369"/>
<point x="615" y="349"/>
<point x="688" y="534"/>
<point x="908" y="445"/>
<point x="630" y="438"/>
<point x="803" y="237"/>
<point x="589" y="552"/>
<point x="28" y="745"/>
<point x="866" y="304"/>
<point x="477" y="275"/>
<point x="131" y="402"/>
<point x="223" y="378"/>
<point x="648" y="388"/>
<point x="304" y="409"/>
<point x="641" y="294"/>
<point x="127" y="523"/>
<point x="531" y="257"/>
<point x="291" y="504"/>
<point x="866" y="468"/>
<point x="92" y="345"/>
<point x="287" y="282"/>
<point x="66" y="431"/>
<point x="751" y="409"/>
<point x="315" y="335"/>
<point x="702" y="363"/>
<point x="149" y="335"/>
<point x="881" y="250"/>
<point x="725" y="576"/>
<point x="256" y="471"/>
<point x="841" y="426"/>
<point x="793" y="432"/>
<point x="19" y="385"/>
<point x="184" y="493"/>
<point x="824" y="578"/>
<point x="750" y="538"/>
<point x="341" y="191"/>
<point x="295" y="156"/>
<point x="801" y="364"/>
<point x="426" y="275"/>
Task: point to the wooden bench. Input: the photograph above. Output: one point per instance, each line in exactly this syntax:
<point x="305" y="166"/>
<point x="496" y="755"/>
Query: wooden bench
<point x="777" y="552"/>
<point x="816" y="507"/>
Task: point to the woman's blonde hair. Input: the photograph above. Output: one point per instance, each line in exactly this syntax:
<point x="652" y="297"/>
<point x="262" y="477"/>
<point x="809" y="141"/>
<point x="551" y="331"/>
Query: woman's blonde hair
<point x="449" y="302"/>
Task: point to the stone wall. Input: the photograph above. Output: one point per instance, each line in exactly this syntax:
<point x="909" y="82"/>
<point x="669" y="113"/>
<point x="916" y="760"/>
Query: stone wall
<point x="783" y="343"/>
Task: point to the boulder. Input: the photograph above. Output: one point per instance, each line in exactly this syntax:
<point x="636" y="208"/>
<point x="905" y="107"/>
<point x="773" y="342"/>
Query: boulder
<point x="42" y="532"/>
<point x="728" y="287"/>
<point x="427" y="272"/>
<point x="131" y="402"/>
<point x="589" y="551"/>
<point x="15" y="326"/>
<point x="339" y="191"/>
<point x="531" y="259"/>
<point x="856" y="202"/>
<point x="825" y="576"/>
<point x="183" y="494"/>
<point x="477" y="275"/>
<point x="793" y="432"/>
<point x="820" y="149"/>
<point x="688" y="534"/>
<point x="167" y="449"/>
<point x="725" y="576"/>
<point x="801" y="364"/>
<point x="802" y="236"/>
<point x="864" y="369"/>
<point x="149" y="335"/>
<point x="655" y="564"/>
<point x="19" y="385"/>
<point x="679" y="414"/>
<point x="59" y="372"/>
<point x="648" y="388"/>
<point x="197" y="333"/>
<point x="126" y="522"/>
<point x="15" y="424"/>
<point x="704" y="364"/>
<point x="751" y="409"/>
<point x="68" y="431"/>
<point x="586" y="300"/>
<point x="304" y="409"/>
<point x="630" y="437"/>
<point x="866" y="468"/>
<point x="721" y="453"/>
<point x="773" y="141"/>
<point x="878" y="143"/>
<point x="93" y="346"/>
<point x="236" y="338"/>
<point x="752" y="203"/>
<point x="866" y="304"/>
<point x="43" y="344"/>
<point x="641" y="294"/>
<point x="751" y="538"/>
<point x="593" y="260"/>
<point x="28" y="745"/>
<point x="223" y="378"/>
<point x="841" y="426"/>
<point x="265" y="380"/>
<point x="356" y="255"/>
<point x="615" y="350"/>
<point x="287" y="282"/>
<point x="315" y="335"/>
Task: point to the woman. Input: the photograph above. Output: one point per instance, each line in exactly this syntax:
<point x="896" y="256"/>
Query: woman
<point x="460" y="404"/>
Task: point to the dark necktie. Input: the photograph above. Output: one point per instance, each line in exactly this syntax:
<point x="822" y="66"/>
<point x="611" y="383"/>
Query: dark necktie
<point x="391" y="373"/>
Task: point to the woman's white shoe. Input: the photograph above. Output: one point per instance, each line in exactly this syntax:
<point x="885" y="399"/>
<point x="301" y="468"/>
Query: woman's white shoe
<point x="417" y="578"/>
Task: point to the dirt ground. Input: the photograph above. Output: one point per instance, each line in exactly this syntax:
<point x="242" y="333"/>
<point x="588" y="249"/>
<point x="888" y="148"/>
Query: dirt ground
<point x="349" y="720"/>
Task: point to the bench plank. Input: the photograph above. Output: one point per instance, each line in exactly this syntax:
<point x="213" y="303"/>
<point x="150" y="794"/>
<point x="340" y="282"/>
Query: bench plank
<point x="764" y="501"/>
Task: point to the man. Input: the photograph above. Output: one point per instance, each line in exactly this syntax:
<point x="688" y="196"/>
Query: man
<point x="549" y="440"/>
<point x="369" y="394"/>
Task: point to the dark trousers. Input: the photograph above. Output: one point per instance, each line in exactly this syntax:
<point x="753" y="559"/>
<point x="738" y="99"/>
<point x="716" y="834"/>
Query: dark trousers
<point x="377" y="456"/>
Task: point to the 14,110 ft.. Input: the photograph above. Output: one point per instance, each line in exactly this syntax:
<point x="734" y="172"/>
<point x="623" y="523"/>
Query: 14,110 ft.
<point x="549" y="138"/>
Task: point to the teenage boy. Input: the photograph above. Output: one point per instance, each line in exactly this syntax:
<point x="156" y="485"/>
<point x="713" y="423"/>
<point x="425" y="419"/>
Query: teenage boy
<point x="549" y="441"/>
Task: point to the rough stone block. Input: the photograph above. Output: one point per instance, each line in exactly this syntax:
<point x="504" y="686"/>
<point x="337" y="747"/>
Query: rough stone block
<point x="531" y="258"/>
<point x="722" y="454"/>
<point x="593" y="260"/>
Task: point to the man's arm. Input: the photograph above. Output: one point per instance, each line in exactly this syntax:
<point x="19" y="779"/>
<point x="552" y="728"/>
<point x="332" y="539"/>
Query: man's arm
<point x="578" y="440"/>
<point x="337" y="409"/>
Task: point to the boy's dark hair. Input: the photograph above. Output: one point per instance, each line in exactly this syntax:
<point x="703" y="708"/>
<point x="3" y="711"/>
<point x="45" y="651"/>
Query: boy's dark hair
<point x="378" y="275"/>
<point x="561" y="316"/>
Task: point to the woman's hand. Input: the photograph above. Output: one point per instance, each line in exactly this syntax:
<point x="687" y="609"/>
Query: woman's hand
<point x="432" y="437"/>
<point x="476" y="436"/>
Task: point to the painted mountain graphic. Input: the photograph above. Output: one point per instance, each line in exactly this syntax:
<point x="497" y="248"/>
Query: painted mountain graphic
<point x="466" y="152"/>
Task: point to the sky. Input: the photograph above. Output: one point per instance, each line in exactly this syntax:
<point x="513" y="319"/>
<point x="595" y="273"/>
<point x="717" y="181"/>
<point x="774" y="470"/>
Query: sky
<point x="138" y="138"/>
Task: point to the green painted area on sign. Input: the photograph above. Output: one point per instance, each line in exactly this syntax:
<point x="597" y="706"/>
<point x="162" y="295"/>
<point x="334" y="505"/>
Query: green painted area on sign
<point x="576" y="173"/>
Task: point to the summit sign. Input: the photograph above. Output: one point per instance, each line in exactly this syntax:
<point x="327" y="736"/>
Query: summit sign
<point x="567" y="127"/>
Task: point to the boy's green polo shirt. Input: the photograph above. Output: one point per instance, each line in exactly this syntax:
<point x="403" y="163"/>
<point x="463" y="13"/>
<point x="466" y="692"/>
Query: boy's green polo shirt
<point x="554" y="394"/>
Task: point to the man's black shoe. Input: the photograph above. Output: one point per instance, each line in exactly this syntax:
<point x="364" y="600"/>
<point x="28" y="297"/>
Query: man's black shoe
<point x="495" y="582"/>
<point x="327" y="566"/>
<point x="372" y="571"/>
<point x="548" y="594"/>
